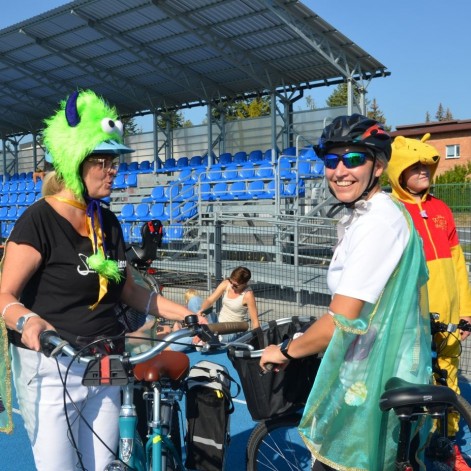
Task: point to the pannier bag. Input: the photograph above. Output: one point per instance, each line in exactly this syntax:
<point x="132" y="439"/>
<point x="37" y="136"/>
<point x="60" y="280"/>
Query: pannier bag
<point x="274" y="394"/>
<point x="208" y="406"/>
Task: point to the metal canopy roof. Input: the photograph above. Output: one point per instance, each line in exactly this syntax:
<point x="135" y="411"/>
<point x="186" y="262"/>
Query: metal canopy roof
<point x="150" y="55"/>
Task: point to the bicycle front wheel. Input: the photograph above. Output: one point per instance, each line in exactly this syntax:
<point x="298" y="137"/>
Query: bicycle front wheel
<point x="277" y="445"/>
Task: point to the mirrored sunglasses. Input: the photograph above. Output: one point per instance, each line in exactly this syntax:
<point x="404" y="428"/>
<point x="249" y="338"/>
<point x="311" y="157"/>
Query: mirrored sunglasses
<point x="350" y="159"/>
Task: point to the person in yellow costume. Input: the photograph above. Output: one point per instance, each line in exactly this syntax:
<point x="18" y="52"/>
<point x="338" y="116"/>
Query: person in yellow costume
<point x="411" y="171"/>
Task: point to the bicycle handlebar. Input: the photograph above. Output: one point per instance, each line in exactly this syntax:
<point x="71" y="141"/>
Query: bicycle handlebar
<point x="437" y="326"/>
<point x="52" y="344"/>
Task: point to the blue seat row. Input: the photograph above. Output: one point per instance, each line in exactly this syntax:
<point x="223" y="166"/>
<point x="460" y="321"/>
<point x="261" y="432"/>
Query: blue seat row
<point x="19" y="186"/>
<point x="142" y="212"/>
<point x="171" y="233"/>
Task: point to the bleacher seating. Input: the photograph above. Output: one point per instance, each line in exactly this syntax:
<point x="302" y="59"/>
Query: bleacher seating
<point x="182" y="185"/>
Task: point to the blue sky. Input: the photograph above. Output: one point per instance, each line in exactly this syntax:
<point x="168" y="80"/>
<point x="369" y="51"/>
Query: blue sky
<point x="425" y="44"/>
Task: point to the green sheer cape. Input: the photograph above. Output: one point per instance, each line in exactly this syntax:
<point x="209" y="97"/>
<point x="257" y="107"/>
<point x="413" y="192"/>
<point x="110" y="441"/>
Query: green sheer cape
<point x="342" y="420"/>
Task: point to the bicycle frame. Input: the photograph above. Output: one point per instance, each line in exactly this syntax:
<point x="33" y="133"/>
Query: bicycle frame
<point x="122" y="369"/>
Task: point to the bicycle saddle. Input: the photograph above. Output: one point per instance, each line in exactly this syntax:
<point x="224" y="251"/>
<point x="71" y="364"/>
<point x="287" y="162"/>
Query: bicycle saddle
<point x="400" y="393"/>
<point x="167" y="364"/>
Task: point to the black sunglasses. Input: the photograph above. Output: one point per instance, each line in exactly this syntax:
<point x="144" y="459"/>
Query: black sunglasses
<point x="350" y="159"/>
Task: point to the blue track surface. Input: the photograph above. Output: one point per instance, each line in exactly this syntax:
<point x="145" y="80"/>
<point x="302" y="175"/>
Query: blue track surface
<point x="16" y="454"/>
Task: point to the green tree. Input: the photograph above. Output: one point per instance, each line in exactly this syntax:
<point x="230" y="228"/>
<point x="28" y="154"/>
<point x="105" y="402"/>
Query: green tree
<point x="448" y="115"/>
<point x="376" y="114"/>
<point x="439" y="115"/>
<point x="241" y="109"/>
<point x="457" y="174"/>
<point x="339" y="97"/>
<point x="427" y="117"/>
<point x="130" y="126"/>
<point x="176" y="119"/>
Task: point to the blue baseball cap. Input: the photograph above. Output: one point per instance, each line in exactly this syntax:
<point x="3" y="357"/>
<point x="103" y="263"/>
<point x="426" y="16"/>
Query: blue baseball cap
<point x="112" y="147"/>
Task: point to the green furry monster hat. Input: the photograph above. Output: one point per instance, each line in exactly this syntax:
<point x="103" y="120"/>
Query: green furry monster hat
<point x="85" y="124"/>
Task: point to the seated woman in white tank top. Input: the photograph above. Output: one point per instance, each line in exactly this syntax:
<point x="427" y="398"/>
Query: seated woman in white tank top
<point x="237" y="299"/>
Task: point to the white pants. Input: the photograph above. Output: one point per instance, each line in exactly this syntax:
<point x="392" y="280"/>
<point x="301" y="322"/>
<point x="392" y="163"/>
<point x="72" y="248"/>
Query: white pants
<point x="40" y="391"/>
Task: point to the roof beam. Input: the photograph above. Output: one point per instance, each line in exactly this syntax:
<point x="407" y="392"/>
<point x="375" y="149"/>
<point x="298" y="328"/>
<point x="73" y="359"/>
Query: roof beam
<point x="120" y="83"/>
<point x="185" y="76"/>
<point x="265" y="75"/>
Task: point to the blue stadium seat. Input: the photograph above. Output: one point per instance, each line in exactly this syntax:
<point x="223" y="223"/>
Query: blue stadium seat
<point x="157" y="210"/>
<point x="255" y="156"/>
<point x="271" y="189"/>
<point x="294" y="189"/>
<point x="135" y="236"/>
<point x="22" y="176"/>
<point x="29" y="176"/>
<point x="173" y="233"/>
<point x="186" y="176"/>
<point x="145" y="167"/>
<point x="264" y="171"/>
<point x="219" y="191"/>
<point x="171" y="191"/>
<point x="127" y="213"/>
<point x="38" y="186"/>
<point x="119" y="182"/>
<point x="12" y="186"/>
<point x="3" y="213"/>
<point x="122" y="167"/>
<point x="213" y="175"/>
<point x="186" y="193"/>
<point x="21" y="199"/>
<point x="225" y="159"/>
<point x="247" y="171"/>
<point x="307" y="153"/>
<point x="30" y="198"/>
<point x="182" y="162"/>
<point x="4" y="199"/>
<point x="171" y="212"/>
<point x="256" y="189"/>
<point x="12" y="198"/>
<point x="240" y="157"/>
<point x="133" y="167"/>
<point x="188" y="210"/>
<point x="126" y="228"/>
<point x="169" y="165"/>
<point x="29" y="185"/>
<point x="230" y="173"/>
<point x="205" y="191"/>
<point x="12" y="213"/>
<point x="157" y="194"/>
<point x="141" y="212"/>
<point x="195" y="161"/>
<point x="20" y="210"/>
<point x="238" y="190"/>
<point x="285" y="169"/>
<point x="289" y="151"/>
<point x="21" y="186"/>
<point x="131" y="180"/>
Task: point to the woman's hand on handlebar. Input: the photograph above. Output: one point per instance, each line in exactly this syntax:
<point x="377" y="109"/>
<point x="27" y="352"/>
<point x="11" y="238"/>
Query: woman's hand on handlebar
<point x="273" y="356"/>
<point x="32" y="331"/>
<point x="464" y="333"/>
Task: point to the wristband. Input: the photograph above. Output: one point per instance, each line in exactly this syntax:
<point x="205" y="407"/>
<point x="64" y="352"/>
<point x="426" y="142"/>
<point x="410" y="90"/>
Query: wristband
<point x="14" y="303"/>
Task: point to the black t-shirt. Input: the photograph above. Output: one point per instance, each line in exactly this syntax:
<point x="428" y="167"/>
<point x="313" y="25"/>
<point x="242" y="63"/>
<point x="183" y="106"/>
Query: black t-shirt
<point x="64" y="287"/>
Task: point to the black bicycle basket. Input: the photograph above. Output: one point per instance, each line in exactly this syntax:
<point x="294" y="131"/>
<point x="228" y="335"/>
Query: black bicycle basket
<point x="273" y="394"/>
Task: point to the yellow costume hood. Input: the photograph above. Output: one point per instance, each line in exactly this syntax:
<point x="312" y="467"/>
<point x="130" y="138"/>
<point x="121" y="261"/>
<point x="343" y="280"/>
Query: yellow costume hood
<point x="406" y="152"/>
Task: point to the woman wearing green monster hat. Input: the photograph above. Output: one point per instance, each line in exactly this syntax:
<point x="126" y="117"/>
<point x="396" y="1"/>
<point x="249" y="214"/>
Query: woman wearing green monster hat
<point x="65" y="269"/>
